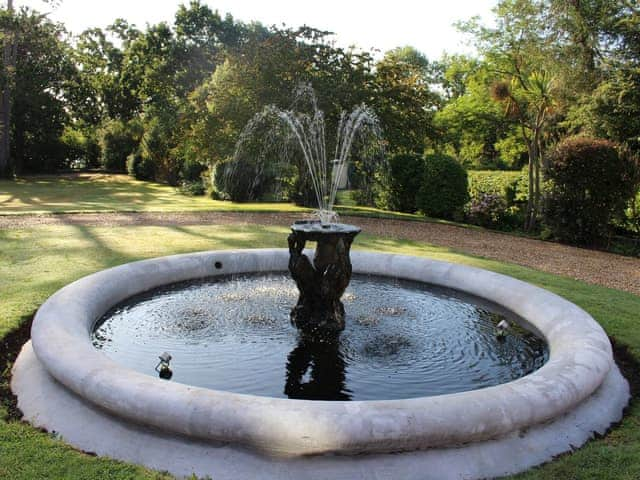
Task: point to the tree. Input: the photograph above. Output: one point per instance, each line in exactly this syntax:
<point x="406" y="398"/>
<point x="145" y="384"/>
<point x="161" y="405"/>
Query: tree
<point x="38" y="88"/>
<point x="612" y="108"/>
<point x="522" y="55"/>
<point x="9" y="52"/>
<point x="404" y="100"/>
<point x="529" y="100"/>
<point x="471" y="126"/>
<point x="202" y="39"/>
<point x="267" y="70"/>
<point x="99" y="91"/>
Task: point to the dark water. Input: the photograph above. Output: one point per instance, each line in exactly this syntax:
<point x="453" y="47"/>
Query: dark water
<point x="402" y="340"/>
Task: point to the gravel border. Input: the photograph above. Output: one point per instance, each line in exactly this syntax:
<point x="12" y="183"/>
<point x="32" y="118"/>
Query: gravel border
<point x="590" y="266"/>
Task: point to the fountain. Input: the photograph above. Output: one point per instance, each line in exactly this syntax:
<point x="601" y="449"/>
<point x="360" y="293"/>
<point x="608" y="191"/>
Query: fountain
<point x="441" y="371"/>
<point x="321" y="283"/>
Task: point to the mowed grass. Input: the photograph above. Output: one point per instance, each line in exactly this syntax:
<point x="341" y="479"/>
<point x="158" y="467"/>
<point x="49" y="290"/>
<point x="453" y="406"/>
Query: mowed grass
<point x="99" y="192"/>
<point x="35" y="262"/>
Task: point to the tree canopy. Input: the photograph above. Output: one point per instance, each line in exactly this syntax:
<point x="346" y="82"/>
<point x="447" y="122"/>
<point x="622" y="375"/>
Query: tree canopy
<point x="179" y="93"/>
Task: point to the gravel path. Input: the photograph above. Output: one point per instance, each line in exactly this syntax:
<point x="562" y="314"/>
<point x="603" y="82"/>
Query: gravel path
<point x="599" y="268"/>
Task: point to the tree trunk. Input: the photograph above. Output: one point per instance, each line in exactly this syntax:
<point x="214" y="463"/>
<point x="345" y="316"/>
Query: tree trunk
<point x="531" y="190"/>
<point x="536" y="190"/>
<point x="536" y="198"/>
<point x="8" y="63"/>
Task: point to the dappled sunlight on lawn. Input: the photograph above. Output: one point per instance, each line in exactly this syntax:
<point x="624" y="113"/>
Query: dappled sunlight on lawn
<point x="107" y="192"/>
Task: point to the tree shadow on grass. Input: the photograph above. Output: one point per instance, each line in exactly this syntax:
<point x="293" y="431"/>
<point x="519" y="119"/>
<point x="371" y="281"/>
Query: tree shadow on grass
<point x="262" y="238"/>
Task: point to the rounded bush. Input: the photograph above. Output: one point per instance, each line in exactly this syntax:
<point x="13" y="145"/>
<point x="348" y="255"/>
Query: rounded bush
<point x="117" y="141"/>
<point x="590" y="185"/>
<point x="141" y="167"/>
<point x="191" y="171"/>
<point x="444" y="189"/>
<point x="404" y="176"/>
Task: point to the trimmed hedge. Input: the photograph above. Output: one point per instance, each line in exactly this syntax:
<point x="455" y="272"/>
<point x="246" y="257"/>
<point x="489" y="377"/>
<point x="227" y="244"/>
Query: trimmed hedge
<point x="444" y="189"/>
<point x="404" y="178"/>
<point x="591" y="183"/>
<point x="512" y="186"/>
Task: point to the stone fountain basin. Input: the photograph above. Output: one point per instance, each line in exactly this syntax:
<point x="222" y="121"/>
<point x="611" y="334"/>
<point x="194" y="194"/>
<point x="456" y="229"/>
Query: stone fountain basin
<point x="580" y="363"/>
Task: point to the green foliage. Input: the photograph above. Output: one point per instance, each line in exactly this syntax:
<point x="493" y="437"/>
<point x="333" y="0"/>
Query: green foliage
<point x="217" y="111"/>
<point x="489" y="210"/>
<point x="402" y="182"/>
<point x="155" y="145"/>
<point x="37" y="87"/>
<point x="191" y="175"/>
<point x="192" y="188"/>
<point x="591" y="184"/>
<point x="191" y="171"/>
<point x="471" y="123"/>
<point x="141" y="167"/>
<point x="97" y="89"/>
<point x="81" y="147"/>
<point x="74" y="145"/>
<point x="632" y="214"/>
<point x="497" y="198"/>
<point x="118" y="140"/>
<point x="444" y="188"/>
<point x="403" y="100"/>
<point x="510" y="185"/>
<point x="244" y="187"/>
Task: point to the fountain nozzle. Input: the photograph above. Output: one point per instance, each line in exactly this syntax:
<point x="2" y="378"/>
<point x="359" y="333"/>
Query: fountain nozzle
<point x="503" y="326"/>
<point x="163" y="369"/>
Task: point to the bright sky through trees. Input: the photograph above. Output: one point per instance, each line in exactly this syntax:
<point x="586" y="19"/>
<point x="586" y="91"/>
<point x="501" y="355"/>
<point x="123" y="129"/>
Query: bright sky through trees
<point x="424" y="24"/>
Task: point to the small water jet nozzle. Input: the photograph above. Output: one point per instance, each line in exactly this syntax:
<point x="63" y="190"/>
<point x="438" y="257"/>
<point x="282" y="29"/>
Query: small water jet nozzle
<point x="163" y="369"/>
<point x="502" y="327"/>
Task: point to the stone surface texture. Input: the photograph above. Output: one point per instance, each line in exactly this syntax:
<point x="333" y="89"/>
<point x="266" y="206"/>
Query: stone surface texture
<point x="320" y="283"/>
<point x="97" y="405"/>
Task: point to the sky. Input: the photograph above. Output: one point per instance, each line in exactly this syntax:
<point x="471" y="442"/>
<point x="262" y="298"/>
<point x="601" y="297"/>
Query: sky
<point x="382" y="25"/>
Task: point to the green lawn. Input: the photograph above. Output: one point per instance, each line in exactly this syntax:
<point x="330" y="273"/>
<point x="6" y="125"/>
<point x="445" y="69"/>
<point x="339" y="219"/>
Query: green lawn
<point x="107" y="193"/>
<point x="35" y="262"/>
<point x="90" y="193"/>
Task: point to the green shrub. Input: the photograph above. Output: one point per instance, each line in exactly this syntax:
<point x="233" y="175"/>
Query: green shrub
<point x="155" y="145"/>
<point x="192" y="188"/>
<point x="141" y="167"/>
<point x="404" y="176"/>
<point x="490" y="210"/>
<point x="632" y="215"/>
<point x="117" y="141"/>
<point x="444" y="188"/>
<point x="238" y="181"/>
<point x="590" y="185"/>
<point x="300" y="190"/>
<point x="505" y="184"/>
<point x="191" y="171"/>
<point x="497" y="198"/>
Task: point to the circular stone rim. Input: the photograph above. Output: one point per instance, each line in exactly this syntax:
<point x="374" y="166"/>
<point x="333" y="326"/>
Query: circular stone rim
<point x="580" y="357"/>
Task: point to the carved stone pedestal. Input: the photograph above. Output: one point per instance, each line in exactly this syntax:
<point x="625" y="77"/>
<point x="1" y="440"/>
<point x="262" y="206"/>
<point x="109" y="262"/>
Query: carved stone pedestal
<point x="321" y="283"/>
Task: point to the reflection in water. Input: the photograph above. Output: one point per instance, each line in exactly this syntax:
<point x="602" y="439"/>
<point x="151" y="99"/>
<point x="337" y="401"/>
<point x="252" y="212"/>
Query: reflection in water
<point x="402" y="340"/>
<point x="316" y="369"/>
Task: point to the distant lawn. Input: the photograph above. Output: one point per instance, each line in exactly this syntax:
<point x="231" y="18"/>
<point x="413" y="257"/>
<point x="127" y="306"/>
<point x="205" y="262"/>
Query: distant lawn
<point x="109" y="192"/>
<point x="99" y="192"/>
<point x="35" y="262"/>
